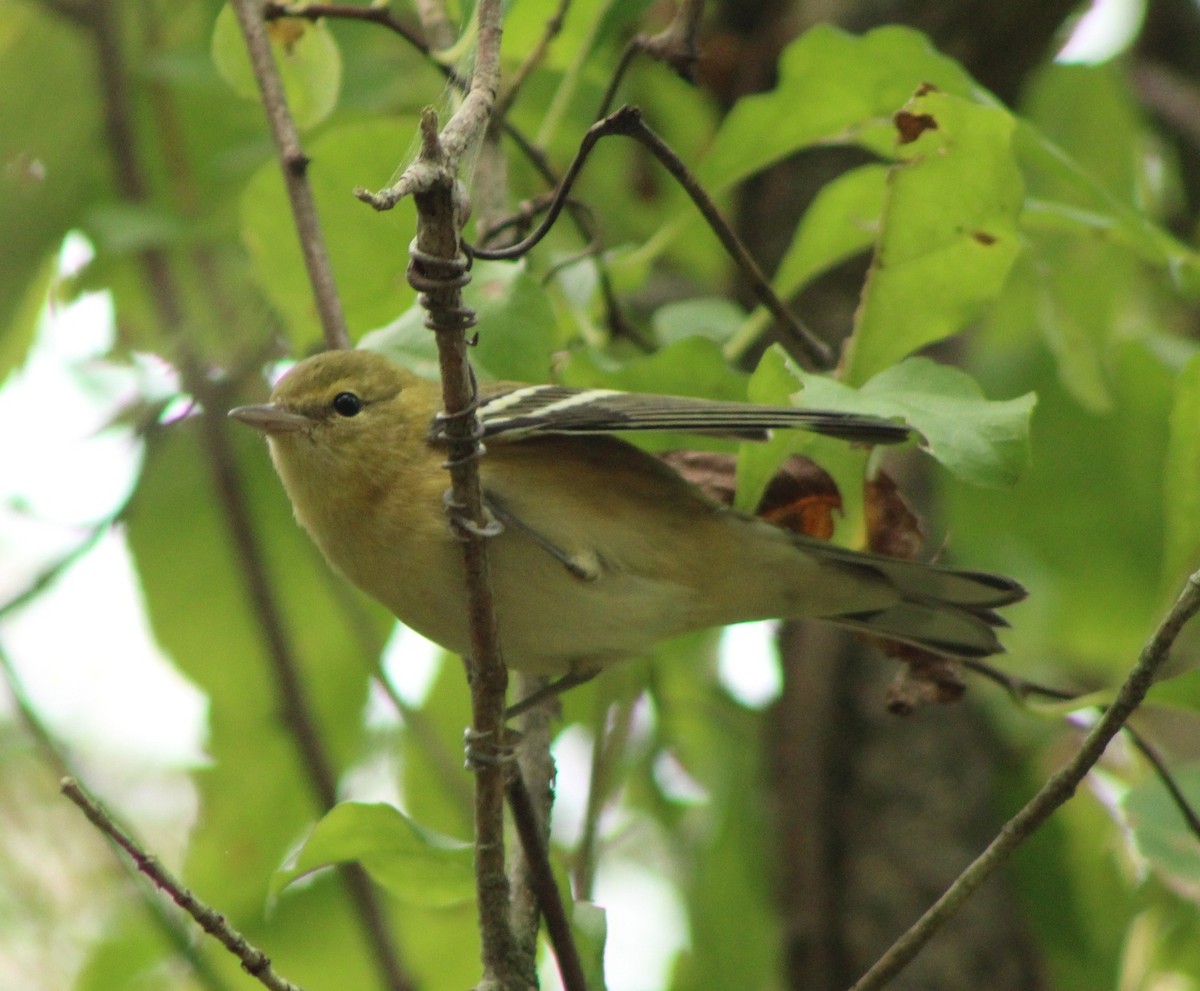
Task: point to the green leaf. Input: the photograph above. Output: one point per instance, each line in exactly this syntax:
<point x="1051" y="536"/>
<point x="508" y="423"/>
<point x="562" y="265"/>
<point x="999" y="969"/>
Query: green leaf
<point x="949" y="232"/>
<point x="1179" y="692"/>
<point x="713" y="317"/>
<point x="1181" y="477"/>
<point x="693" y="366"/>
<point x="17" y="338"/>
<point x="306" y="54"/>
<point x="53" y="162"/>
<point x="256" y="796"/>
<point x="368" y="250"/>
<point x="842" y="221"/>
<point x="414" y="864"/>
<point x="515" y="321"/>
<point x="589" y="926"/>
<point x="773" y="383"/>
<point x="834" y="87"/>
<point x="1160" y="832"/>
<point x="982" y="441"/>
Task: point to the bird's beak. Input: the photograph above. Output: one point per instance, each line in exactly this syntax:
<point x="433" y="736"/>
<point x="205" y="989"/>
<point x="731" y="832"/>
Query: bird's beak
<point x="271" y="419"/>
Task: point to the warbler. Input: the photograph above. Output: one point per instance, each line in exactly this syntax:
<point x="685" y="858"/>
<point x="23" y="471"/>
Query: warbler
<point x="603" y="550"/>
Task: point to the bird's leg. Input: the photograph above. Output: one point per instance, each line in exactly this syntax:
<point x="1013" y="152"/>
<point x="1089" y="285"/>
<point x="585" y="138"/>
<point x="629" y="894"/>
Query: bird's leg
<point x="484" y="750"/>
<point x="585" y="567"/>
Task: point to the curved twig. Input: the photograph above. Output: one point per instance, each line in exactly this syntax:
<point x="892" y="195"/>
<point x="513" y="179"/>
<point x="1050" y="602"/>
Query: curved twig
<point x="628" y="122"/>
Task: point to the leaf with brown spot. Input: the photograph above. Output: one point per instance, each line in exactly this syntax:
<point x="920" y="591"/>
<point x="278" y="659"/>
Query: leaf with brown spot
<point x="911" y="126"/>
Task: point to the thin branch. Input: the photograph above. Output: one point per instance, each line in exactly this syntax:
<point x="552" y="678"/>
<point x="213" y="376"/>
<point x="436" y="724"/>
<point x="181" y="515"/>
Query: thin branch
<point x="373" y="15"/>
<point x="438" y="270"/>
<point x="256" y="963"/>
<point x="172" y="929"/>
<point x="536" y="157"/>
<point x="558" y="926"/>
<point x="628" y="122"/>
<point x="1021" y="688"/>
<point x="1054" y="793"/>
<point x="294" y="164"/>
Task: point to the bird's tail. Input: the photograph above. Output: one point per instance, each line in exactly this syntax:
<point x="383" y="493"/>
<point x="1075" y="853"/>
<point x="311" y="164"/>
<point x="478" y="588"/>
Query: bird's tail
<point x="943" y="610"/>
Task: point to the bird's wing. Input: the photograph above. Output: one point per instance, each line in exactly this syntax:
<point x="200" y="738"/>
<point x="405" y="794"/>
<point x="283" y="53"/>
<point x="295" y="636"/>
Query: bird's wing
<point x="514" y="412"/>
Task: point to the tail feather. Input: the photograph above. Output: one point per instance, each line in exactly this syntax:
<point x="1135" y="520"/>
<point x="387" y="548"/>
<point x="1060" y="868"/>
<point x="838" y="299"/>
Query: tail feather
<point x="938" y="628"/>
<point x="943" y="610"/>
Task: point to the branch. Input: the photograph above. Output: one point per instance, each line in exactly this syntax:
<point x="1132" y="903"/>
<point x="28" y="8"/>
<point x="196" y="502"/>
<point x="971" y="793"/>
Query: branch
<point x="256" y="963"/>
<point x="1054" y="793"/>
<point x="438" y="270"/>
<point x="316" y="11"/>
<point x="627" y="121"/>
<point x="558" y="926"/>
<point x="294" y="164"/>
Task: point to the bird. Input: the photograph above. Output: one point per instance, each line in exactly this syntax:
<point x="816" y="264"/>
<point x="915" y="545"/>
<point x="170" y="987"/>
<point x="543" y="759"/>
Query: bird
<point x="601" y="549"/>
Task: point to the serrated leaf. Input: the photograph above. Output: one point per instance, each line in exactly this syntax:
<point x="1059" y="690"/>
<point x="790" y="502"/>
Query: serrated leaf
<point x="413" y="863"/>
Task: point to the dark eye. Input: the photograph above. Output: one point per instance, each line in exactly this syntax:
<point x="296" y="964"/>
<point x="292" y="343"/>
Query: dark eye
<point x="347" y="404"/>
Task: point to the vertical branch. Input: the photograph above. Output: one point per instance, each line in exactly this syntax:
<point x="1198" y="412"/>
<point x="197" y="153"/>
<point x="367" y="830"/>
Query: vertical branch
<point x="294" y="163"/>
<point x="438" y="270"/>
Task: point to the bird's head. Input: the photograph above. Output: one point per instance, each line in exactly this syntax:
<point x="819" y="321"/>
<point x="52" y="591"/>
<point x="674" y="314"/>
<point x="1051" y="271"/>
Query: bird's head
<point x="341" y="422"/>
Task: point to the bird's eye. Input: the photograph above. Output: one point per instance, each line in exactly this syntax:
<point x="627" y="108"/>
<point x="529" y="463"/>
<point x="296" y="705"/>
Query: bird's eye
<point x="347" y="404"/>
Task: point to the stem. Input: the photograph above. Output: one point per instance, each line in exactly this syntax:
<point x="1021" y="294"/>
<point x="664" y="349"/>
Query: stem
<point x="294" y="164"/>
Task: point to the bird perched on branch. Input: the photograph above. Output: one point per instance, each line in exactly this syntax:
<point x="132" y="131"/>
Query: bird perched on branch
<point x="603" y="550"/>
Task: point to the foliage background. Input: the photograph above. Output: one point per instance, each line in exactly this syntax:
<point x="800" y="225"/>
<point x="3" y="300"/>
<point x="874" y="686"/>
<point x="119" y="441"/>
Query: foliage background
<point x="795" y="838"/>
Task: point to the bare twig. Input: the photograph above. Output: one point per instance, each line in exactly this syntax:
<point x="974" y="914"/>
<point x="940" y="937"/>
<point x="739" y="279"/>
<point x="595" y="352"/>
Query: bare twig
<point x="294" y="164"/>
<point x="177" y="934"/>
<point x="438" y="270"/>
<point x="1054" y="793"/>
<point x="627" y="121"/>
<point x="339" y="11"/>
<point x="256" y="963"/>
